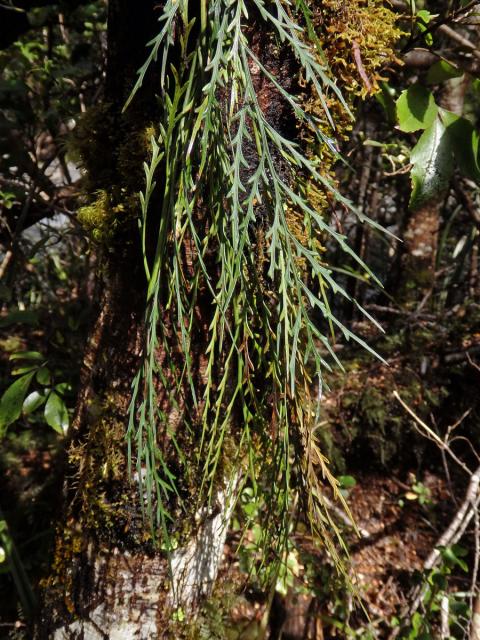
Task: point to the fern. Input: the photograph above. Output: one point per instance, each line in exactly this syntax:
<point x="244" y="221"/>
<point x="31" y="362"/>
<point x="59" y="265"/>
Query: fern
<point x="217" y="155"/>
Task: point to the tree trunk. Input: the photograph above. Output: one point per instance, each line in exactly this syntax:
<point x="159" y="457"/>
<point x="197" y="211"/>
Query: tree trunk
<point x="109" y="579"/>
<point x="421" y="234"/>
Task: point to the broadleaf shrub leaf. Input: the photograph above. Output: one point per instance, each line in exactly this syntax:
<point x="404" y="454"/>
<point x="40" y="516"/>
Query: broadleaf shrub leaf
<point x="424" y="18"/>
<point x="416" y="109"/>
<point x="464" y="141"/>
<point x="441" y="71"/>
<point x="44" y="376"/>
<point x="32" y="402"/>
<point x="432" y="160"/>
<point x="21" y="370"/>
<point x="27" y="355"/>
<point x="12" y="401"/>
<point x="56" y="413"/>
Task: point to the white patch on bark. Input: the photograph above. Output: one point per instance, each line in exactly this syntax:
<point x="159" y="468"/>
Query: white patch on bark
<point x="130" y="609"/>
<point x="103" y="624"/>
<point x="195" y="567"/>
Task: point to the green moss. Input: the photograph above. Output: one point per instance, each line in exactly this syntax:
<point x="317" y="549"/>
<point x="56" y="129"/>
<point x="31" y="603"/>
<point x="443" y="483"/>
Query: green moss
<point x="96" y="510"/>
<point x="99" y="218"/>
<point x="103" y="504"/>
<point x="367" y="24"/>
<point x="133" y="150"/>
<point x="111" y="147"/>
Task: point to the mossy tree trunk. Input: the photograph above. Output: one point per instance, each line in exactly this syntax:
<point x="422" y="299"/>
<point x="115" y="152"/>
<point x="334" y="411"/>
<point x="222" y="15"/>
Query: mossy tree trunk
<point x="108" y="579"/>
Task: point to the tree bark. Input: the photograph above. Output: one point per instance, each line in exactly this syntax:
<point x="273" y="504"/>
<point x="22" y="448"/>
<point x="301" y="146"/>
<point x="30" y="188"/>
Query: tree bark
<point x="109" y="579"/>
<point x="422" y="230"/>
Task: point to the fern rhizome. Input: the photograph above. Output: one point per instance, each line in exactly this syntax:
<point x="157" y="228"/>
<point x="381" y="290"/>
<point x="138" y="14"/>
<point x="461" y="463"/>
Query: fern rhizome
<point x="239" y="324"/>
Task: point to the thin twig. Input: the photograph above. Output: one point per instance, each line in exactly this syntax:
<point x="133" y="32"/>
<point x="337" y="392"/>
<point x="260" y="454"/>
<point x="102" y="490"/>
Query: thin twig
<point x="452" y="533"/>
<point x="5" y="262"/>
<point x="361" y="69"/>
<point x="474" y="364"/>
<point x="465" y="42"/>
<point x="476" y="562"/>
<point x="431" y="434"/>
<point x="475" y="622"/>
<point x="444" y="615"/>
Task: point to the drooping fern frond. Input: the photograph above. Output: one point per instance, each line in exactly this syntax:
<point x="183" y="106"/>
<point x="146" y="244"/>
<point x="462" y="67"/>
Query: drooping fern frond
<point x="236" y="260"/>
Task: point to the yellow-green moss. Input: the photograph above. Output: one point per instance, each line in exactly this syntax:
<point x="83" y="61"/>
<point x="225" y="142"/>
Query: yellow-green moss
<point x="103" y="218"/>
<point x="134" y="149"/>
<point x="111" y="148"/>
<point x="366" y="26"/>
<point x="99" y="218"/>
<point x="358" y="39"/>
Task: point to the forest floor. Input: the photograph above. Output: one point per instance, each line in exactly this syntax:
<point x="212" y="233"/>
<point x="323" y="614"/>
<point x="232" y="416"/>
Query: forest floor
<point x="400" y="520"/>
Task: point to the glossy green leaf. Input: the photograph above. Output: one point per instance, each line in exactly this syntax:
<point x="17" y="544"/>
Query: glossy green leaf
<point x="416" y="109"/>
<point x="27" y="355"/>
<point x="63" y="387"/>
<point x="32" y="402"/>
<point x="21" y="370"/>
<point x="347" y="482"/>
<point x="441" y="71"/>
<point x="464" y="141"/>
<point x="44" y="376"/>
<point x="423" y="19"/>
<point x="56" y="413"/>
<point x="432" y="160"/>
<point x="12" y="401"/>
<point x="450" y="556"/>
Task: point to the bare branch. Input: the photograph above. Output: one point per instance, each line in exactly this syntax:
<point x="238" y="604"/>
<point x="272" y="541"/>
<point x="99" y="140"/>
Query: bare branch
<point x="431" y="435"/>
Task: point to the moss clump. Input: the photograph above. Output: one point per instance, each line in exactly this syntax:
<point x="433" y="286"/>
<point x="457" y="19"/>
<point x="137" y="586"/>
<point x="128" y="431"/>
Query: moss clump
<point x="111" y="147"/>
<point x="358" y="39"/>
<point x="359" y="36"/>
<point x="99" y="219"/>
<point x="68" y="546"/>
<point x="107" y="214"/>
<point x="101" y="460"/>
<point x="133" y="150"/>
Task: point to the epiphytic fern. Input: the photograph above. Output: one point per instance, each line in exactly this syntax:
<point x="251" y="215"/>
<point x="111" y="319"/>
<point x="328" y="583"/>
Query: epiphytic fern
<point x="231" y="185"/>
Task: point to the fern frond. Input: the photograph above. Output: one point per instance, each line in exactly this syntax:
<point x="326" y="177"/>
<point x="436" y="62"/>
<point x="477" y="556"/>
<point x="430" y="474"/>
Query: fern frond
<point x="230" y="180"/>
